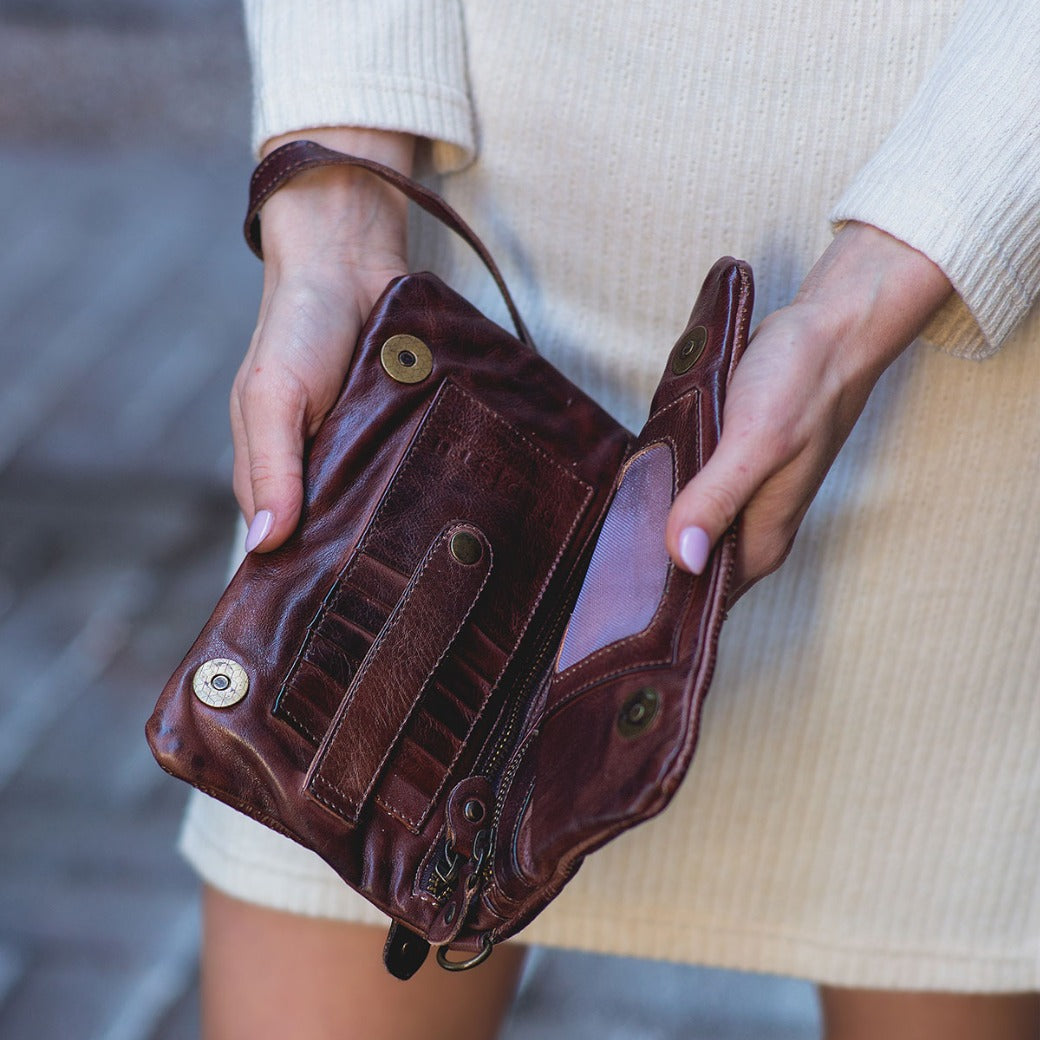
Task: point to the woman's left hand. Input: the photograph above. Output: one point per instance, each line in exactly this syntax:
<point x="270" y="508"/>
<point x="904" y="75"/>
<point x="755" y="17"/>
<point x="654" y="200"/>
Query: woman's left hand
<point x="796" y="395"/>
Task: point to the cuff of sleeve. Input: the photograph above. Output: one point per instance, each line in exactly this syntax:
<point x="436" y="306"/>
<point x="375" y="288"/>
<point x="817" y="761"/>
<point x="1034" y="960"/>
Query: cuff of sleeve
<point x="379" y="64"/>
<point x="427" y="110"/>
<point x="956" y="178"/>
<point x="989" y="299"/>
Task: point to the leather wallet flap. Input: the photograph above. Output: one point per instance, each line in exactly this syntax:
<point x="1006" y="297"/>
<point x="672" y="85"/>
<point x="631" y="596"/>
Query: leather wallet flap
<point x="615" y="726"/>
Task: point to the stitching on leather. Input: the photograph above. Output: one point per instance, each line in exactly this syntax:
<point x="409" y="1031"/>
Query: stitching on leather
<point x="600" y="680"/>
<point x="285" y="171"/>
<point x="397" y="815"/>
<point x="328" y="802"/>
<point x="669" y="440"/>
<point x="462" y="744"/>
<point x="366" y="666"/>
<point x="493" y="882"/>
<point x="290" y="716"/>
<point x="264" y="190"/>
<point x="674" y="404"/>
<point x="432" y="557"/>
<point x="450" y="386"/>
<point x="345" y="572"/>
<point x="515" y="837"/>
<point x="446" y="389"/>
<point x="625" y="640"/>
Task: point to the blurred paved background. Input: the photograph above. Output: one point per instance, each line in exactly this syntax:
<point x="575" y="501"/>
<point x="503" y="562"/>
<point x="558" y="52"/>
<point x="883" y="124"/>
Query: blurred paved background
<point x="126" y="298"/>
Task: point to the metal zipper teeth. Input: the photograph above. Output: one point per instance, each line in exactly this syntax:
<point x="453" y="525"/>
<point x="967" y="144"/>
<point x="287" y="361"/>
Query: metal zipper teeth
<point x="434" y="886"/>
<point x="531" y="680"/>
<point x="531" y="683"/>
<point x="504" y="740"/>
<point x="502" y="743"/>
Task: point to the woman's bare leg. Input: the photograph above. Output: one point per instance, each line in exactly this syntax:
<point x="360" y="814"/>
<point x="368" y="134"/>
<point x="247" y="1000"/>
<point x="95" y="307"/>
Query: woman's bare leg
<point x="268" y="975"/>
<point x="859" y="1014"/>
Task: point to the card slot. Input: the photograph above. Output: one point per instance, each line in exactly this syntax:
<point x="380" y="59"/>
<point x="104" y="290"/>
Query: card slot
<point x="343" y="629"/>
<point x="372" y="580"/>
<point x="417" y="777"/>
<point x="339" y="660"/>
<point x="479" y="653"/>
<point x="448" y="710"/>
<point x="309" y="700"/>
<point x="434" y="738"/>
<point x="469" y="688"/>
<point x="407" y="789"/>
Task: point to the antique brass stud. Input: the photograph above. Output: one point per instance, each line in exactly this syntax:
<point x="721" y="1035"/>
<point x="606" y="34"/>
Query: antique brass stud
<point x="473" y="810"/>
<point x="406" y="358"/>
<point x="465" y="547"/>
<point x="689" y="352"/>
<point x="638" y="712"/>
<point x="220" y="682"/>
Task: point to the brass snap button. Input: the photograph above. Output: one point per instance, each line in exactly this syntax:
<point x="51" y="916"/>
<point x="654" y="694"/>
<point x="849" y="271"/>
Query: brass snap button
<point x="220" y="682"/>
<point x="406" y="359"/>
<point x="465" y="547"/>
<point x="689" y="352"/>
<point x="638" y="712"/>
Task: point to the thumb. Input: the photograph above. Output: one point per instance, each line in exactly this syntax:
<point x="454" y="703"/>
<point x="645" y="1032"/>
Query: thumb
<point x="704" y="510"/>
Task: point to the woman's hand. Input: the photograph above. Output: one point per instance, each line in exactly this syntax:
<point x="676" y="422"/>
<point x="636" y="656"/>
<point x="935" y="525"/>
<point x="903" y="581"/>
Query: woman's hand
<point x="796" y="395"/>
<point x="332" y="239"/>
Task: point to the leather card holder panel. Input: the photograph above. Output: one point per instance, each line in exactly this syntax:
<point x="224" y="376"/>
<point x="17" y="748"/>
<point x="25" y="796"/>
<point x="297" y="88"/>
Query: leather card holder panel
<point x="398" y="668"/>
<point x="525" y="502"/>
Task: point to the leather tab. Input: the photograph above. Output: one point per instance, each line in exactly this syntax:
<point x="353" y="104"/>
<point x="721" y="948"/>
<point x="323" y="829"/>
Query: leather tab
<point x="397" y="668"/>
<point x="404" y="951"/>
<point x="715" y="336"/>
<point x="286" y="162"/>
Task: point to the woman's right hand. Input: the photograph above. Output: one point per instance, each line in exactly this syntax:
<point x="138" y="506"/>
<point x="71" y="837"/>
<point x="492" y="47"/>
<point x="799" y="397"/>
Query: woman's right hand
<point x="332" y="239"/>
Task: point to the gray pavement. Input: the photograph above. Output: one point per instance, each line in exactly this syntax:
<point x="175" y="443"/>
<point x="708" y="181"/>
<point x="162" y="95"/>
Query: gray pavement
<point x="125" y="299"/>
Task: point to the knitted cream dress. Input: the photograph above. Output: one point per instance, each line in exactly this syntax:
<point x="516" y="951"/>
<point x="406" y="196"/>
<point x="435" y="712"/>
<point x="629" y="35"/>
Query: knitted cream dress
<point x="864" y="808"/>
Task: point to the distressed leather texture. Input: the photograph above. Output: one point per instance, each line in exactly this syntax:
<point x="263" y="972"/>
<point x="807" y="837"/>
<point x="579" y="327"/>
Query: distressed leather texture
<point x="406" y="716"/>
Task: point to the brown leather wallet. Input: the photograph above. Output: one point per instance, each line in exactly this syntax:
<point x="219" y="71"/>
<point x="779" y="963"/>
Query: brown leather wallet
<point x="473" y="663"/>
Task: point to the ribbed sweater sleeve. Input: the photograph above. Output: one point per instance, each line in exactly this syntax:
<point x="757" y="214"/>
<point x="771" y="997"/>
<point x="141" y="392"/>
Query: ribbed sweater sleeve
<point x="958" y="178"/>
<point x="387" y="64"/>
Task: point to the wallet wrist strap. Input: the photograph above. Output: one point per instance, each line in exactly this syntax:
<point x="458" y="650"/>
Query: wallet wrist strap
<point x="286" y="162"/>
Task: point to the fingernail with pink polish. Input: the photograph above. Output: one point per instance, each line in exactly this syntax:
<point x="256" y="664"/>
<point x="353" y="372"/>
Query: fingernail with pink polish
<point x="259" y="529"/>
<point x="694" y="546"/>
